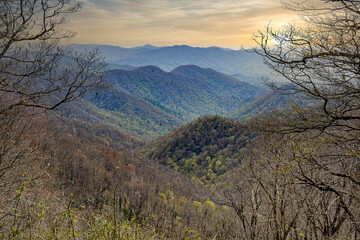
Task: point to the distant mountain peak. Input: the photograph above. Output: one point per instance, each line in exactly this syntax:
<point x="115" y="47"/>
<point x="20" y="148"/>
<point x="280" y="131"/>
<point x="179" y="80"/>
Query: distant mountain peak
<point x="187" y="93"/>
<point x="150" y="69"/>
<point x="227" y="61"/>
<point x="147" y="46"/>
<point x="181" y="46"/>
<point x="190" y="67"/>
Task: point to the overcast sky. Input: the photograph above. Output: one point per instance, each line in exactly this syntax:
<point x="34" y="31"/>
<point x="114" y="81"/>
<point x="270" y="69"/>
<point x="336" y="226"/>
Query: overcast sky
<point x="224" y="23"/>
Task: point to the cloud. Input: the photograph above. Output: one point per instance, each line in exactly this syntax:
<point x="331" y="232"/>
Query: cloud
<point x="167" y="22"/>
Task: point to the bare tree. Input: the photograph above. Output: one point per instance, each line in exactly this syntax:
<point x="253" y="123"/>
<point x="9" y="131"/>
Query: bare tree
<point x="35" y="74"/>
<point x="34" y="70"/>
<point x="320" y="57"/>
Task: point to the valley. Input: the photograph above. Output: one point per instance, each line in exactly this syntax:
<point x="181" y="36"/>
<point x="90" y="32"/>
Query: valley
<point x="179" y="140"/>
<point x="148" y="102"/>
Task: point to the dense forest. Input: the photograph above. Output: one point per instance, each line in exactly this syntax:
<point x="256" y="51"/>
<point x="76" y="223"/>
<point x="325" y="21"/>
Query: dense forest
<point x="205" y="148"/>
<point x="147" y="102"/>
<point x="187" y="92"/>
<point x="140" y="153"/>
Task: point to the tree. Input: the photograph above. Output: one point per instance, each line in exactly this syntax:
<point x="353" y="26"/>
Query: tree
<point x="35" y="74"/>
<point x="34" y="70"/>
<point x="321" y="59"/>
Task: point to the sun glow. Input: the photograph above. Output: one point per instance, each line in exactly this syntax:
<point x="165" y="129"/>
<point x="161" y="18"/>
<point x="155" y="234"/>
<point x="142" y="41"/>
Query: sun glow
<point x="227" y="23"/>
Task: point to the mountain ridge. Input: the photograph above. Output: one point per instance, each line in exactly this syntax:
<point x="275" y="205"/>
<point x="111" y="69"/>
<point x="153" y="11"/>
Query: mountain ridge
<point x="168" y="58"/>
<point x="205" y="148"/>
<point x="188" y="92"/>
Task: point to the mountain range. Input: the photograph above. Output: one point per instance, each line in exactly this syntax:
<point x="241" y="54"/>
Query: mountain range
<point x="187" y="92"/>
<point x="148" y="102"/>
<point x="243" y="63"/>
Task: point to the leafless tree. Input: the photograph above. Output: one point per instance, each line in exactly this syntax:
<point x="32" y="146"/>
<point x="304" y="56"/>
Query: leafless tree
<point x="305" y="167"/>
<point x="34" y="70"/>
<point x="36" y="73"/>
<point x="320" y="58"/>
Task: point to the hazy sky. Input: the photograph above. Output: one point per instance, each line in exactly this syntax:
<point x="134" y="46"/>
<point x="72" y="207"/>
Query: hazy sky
<point x="225" y="23"/>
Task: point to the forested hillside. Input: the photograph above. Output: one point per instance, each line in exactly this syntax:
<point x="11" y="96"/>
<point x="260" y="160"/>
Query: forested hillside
<point x="148" y="102"/>
<point x="224" y="84"/>
<point x="273" y="100"/>
<point x="205" y="148"/>
<point x="124" y="112"/>
<point x="188" y="92"/>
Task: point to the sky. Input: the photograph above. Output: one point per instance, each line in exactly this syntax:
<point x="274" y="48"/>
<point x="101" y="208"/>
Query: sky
<point x="202" y="23"/>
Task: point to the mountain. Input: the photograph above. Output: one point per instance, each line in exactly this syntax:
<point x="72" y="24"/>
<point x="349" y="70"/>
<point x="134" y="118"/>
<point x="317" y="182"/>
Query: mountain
<point x="168" y="58"/>
<point x="205" y="148"/>
<point x="266" y="103"/>
<point x="187" y="92"/>
<point x="224" y="83"/>
<point x="123" y="111"/>
<point x="251" y="80"/>
<point x="112" y="66"/>
<point x="148" y="102"/>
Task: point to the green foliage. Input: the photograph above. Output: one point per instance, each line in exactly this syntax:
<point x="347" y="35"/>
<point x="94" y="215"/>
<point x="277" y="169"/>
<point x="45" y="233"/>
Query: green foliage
<point x="266" y="103"/>
<point x="187" y="92"/>
<point x="123" y="111"/>
<point x="74" y="223"/>
<point x="205" y="148"/>
<point x="148" y="102"/>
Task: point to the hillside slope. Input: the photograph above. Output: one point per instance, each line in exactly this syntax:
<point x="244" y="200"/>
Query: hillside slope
<point x="266" y="103"/>
<point x="223" y="83"/>
<point x="205" y="148"/>
<point x="123" y="111"/>
<point x="188" y="92"/>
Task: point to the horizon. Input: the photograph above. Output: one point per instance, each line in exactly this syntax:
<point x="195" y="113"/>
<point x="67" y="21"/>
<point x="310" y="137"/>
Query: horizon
<point x="206" y="23"/>
<point x="164" y="46"/>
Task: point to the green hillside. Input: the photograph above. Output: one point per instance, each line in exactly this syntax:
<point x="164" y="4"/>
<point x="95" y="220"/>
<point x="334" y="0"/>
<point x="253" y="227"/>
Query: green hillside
<point x="266" y="103"/>
<point x="148" y="102"/>
<point x="188" y="92"/>
<point x="123" y="111"/>
<point x="223" y="83"/>
<point x="205" y="148"/>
